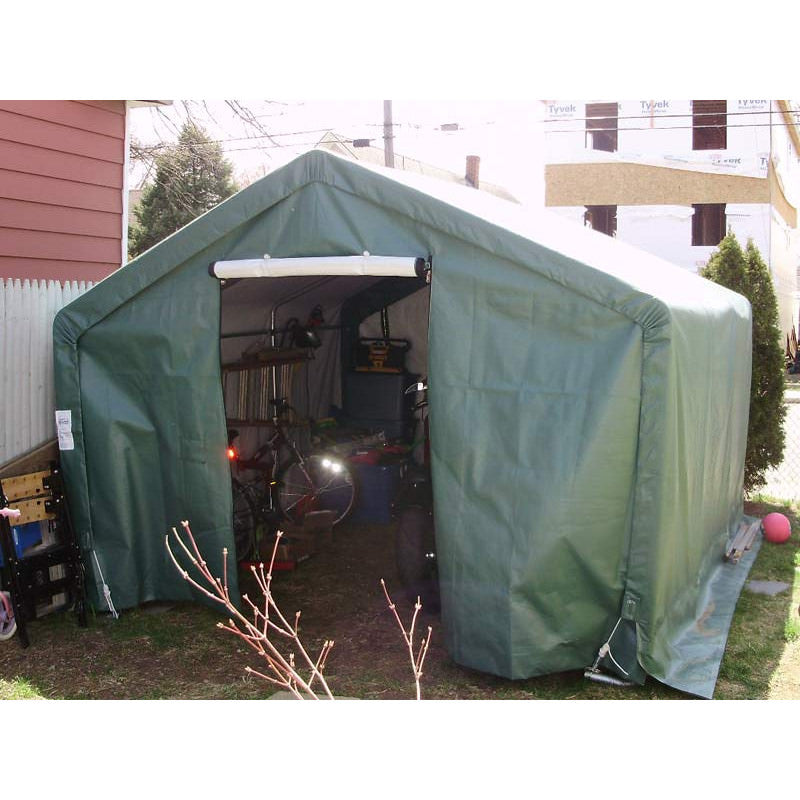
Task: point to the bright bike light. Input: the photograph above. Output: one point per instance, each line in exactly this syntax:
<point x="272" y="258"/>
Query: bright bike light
<point x="326" y="462"/>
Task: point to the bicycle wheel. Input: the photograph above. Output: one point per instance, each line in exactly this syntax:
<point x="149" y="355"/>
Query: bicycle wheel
<point x="321" y="483"/>
<point x="415" y="556"/>
<point x="8" y="625"/>
<point x="244" y="523"/>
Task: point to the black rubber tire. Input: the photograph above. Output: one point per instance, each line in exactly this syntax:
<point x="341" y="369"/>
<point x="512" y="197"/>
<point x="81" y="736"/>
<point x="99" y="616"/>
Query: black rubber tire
<point x="244" y="523"/>
<point x="415" y="557"/>
<point x="326" y="490"/>
<point x="8" y="625"/>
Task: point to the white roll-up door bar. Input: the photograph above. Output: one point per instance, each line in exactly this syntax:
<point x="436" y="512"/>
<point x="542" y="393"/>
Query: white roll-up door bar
<point x="366" y="264"/>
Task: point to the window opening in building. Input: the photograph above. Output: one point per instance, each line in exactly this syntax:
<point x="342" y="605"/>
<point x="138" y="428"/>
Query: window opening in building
<point x="601" y="126"/>
<point x="708" y="224"/>
<point x="709" y="124"/>
<point x="602" y="219"/>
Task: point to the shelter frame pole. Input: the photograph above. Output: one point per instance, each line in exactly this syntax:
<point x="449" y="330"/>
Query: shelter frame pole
<point x="273" y="316"/>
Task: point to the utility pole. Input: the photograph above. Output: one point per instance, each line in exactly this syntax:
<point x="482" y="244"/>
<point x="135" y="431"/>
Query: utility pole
<point x="388" y="134"/>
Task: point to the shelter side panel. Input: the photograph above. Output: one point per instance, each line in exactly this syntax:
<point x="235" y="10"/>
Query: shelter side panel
<point x="534" y="414"/>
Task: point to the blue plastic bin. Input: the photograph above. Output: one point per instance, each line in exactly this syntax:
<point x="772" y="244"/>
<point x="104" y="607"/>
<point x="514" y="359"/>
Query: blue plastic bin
<point x="377" y="487"/>
<point x="24" y="536"/>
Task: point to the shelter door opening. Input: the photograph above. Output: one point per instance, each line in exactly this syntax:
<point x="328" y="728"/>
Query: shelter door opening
<point x="322" y="422"/>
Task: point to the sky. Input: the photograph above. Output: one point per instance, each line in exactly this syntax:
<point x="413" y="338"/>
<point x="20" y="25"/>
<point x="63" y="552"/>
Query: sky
<point x="503" y="133"/>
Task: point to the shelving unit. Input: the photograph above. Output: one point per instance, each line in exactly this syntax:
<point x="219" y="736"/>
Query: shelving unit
<point x="46" y="573"/>
<point x="250" y="383"/>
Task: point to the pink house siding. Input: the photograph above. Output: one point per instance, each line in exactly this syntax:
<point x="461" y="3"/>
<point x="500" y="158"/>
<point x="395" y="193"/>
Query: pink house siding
<point x="61" y="185"/>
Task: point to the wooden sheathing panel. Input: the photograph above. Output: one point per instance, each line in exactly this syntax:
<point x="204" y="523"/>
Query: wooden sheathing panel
<point x="779" y="201"/>
<point x="36" y="460"/>
<point x="792" y="123"/>
<point x="626" y="184"/>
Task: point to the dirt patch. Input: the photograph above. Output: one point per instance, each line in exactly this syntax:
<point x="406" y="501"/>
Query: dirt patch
<point x="340" y="596"/>
<point x="175" y="650"/>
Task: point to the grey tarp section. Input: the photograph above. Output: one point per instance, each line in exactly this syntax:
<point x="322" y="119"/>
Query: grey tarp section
<point x="588" y="411"/>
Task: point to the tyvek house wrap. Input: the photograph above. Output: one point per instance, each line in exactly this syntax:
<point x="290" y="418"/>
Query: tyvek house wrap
<point x="588" y="407"/>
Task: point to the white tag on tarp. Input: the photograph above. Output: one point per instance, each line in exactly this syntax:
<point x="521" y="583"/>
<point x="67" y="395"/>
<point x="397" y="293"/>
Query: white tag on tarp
<point x="64" y="429"/>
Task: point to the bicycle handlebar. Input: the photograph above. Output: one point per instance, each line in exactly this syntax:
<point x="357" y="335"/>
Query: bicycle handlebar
<point x="419" y="386"/>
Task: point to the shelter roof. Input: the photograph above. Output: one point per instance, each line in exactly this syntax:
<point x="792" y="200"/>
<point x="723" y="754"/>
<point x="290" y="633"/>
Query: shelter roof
<point x="375" y="156"/>
<point x="620" y="276"/>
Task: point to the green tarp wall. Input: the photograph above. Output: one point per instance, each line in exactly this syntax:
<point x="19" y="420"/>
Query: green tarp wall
<point x="588" y="408"/>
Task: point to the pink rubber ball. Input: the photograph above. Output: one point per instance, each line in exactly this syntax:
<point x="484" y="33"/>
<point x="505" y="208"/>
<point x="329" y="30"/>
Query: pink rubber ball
<point x="776" y="528"/>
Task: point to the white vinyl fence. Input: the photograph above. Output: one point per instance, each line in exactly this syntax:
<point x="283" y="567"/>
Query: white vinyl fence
<point x="27" y="394"/>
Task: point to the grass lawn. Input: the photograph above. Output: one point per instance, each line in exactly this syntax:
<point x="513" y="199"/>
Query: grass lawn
<point x="175" y="651"/>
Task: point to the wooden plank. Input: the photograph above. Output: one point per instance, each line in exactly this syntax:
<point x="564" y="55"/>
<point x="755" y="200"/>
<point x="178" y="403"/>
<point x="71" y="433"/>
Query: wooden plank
<point x="28" y="485"/>
<point x="269" y="357"/>
<point x="734" y="550"/>
<point x="31" y="511"/>
<point x="35" y="460"/>
<point x="743" y="541"/>
<point x="736" y="538"/>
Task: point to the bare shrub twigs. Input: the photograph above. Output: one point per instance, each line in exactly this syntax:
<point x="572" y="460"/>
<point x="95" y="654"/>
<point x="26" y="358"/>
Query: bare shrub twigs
<point x="267" y="620"/>
<point x="418" y="659"/>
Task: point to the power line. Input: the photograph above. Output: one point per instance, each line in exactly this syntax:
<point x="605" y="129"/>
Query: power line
<point x="250" y="118"/>
<point x="331" y="129"/>
<point x="290" y="145"/>
<point x="690" y="113"/>
<point x="270" y="136"/>
<point x="748" y="126"/>
<point x="427" y="130"/>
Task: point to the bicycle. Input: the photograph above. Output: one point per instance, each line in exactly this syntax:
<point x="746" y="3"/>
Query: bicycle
<point x="289" y="486"/>
<point x="415" y="537"/>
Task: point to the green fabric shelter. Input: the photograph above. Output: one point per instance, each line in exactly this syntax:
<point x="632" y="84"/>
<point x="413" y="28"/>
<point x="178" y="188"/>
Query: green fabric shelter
<point x="588" y="407"/>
